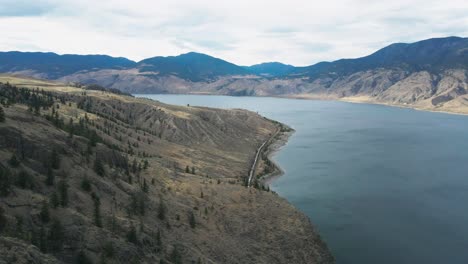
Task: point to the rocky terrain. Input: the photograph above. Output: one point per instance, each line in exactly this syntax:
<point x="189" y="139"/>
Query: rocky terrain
<point x="90" y="175"/>
<point x="429" y="74"/>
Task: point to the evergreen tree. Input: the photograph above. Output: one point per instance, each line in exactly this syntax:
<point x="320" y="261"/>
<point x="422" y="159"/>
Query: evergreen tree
<point x="2" y="115"/>
<point x="99" y="167"/>
<point x="3" y="220"/>
<point x="4" y="182"/>
<point x="14" y="162"/>
<point x="193" y="170"/>
<point x="50" y="176"/>
<point x="55" y="159"/>
<point x="145" y="186"/>
<point x="54" y="199"/>
<point x="56" y="235"/>
<point x="176" y="257"/>
<point x="45" y="215"/>
<point x="63" y="191"/>
<point x="161" y="210"/>
<point x="97" y="210"/>
<point x="192" y="221"/>
<point x="132" y="235"/>
<point x="158" y="241"/>
<point x="187" y="169"/>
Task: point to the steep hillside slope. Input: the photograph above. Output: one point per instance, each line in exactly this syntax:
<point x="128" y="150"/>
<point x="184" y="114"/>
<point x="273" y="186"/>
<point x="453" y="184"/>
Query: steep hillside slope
<point x="89" y="176"/>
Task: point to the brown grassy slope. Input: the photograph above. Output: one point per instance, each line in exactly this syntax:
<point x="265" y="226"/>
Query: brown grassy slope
<point x="209" y="217"/>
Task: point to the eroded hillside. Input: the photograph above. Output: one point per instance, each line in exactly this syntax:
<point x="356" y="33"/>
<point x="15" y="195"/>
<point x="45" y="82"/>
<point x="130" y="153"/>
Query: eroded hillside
<point x="91" y="176"/>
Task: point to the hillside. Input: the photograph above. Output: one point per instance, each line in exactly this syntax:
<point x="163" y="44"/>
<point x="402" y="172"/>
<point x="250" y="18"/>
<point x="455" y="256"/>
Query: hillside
<point x="91" y="176"/>
<point x="429" y="74"/>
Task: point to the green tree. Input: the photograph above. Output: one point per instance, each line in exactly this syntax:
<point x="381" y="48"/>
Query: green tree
<point x="176" y="257"/>
<point x="132" y="235"/>
<point x="45" y="215"/>
<point x="97" y="210"/>
<point x="50" y="176"/>
<point x="187" y="169"/>
<point x="3" y="220"/>
<point x="14" y="161"/>
<point x="24" y="180"/>
<point x="54" y="199"/>
<point x="56" y="235"/>
<point x="145" y="186"/>
<point x="2" y="115"/>
<point x="5" y="182"/>
<point x="161" y="210"/>
<point x="63" y="191"/>
<point x="158" y="241"/>
<point x="193" y="170"/>
<point x="82" y="258"/>
<point x="55" y="159"/>
<point x="86" y="184"/>
<point x="192" y="221"/>
<point x="99" y="167"/>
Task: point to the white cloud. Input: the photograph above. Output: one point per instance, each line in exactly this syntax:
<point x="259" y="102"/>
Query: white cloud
<point x="298" y="32"/>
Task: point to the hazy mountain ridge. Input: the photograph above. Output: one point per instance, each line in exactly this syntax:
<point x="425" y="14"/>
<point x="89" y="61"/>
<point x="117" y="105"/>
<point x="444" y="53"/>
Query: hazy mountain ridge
<point x="415" y="74"/>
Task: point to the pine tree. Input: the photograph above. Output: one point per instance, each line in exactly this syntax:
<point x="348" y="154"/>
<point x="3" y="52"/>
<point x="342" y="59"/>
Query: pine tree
<point x="193" y="170"/>
<point x="14" y="162"/>
<point x="145" y="186"/>
<point x="97" y="210"/>
<point x="3" y="220"/>
<point x="50" y="176"/>
<point x="63" y="190"/>
<point x="161" y="211"/>
<point x="55" y="159"/>
<point x="45" y="215"/>
<point x="158" y="241"/>
<point x="2" y="115"/>
<point x="187" y="169"/>
<point x="56" y="235"/>
<point x="99" y="167"/>
<point x="54" y="199"/>
<point x="132" y="235"/>
<point x="192" y="221"/>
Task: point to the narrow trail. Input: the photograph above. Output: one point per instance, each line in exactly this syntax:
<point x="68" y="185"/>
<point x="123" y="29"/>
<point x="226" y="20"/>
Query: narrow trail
<point x="259" y="150"/>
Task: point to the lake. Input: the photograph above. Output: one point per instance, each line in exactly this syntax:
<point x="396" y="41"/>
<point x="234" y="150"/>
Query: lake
<point x="381" y="184"/>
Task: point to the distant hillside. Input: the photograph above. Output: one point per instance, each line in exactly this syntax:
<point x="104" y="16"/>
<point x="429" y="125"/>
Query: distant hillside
<point x="271" y="69"/>
<point x="429" y="74"/>
<point x="190" y="66"/>
<point x="433" y="55"/>
<point x="54" y="66"/>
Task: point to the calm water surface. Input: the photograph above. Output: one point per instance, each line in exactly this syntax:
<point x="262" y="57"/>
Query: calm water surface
<point x="381" y="184"/>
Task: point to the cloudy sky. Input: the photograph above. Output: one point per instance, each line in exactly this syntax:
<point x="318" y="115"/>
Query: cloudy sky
<point x="298" y="32"/>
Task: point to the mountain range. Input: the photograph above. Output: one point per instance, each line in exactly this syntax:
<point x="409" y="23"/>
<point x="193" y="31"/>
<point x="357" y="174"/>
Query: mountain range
<point x="429" y="74"/>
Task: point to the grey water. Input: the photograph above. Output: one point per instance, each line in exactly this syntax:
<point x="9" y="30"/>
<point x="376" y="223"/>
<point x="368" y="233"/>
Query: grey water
<point x="381" y="184"/>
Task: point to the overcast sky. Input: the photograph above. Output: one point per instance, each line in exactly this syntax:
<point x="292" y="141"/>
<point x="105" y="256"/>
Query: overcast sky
<point x="244" y="32"/>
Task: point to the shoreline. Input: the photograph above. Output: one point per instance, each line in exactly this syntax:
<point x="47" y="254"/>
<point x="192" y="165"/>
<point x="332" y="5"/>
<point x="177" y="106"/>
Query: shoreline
<point x="278" y="142"/>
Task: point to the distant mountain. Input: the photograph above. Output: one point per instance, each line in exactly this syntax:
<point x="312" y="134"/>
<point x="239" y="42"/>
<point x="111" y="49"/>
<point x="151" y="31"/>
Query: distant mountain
<point x="271" y="69"/>
<point x="431" y="55"/>
<point x="429" y="74"/>
<point x="54" y="66"/>
<point x="191" y="66"/>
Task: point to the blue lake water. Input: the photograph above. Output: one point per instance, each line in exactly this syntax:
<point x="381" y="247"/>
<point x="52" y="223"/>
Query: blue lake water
<point x="381" y="184"/>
